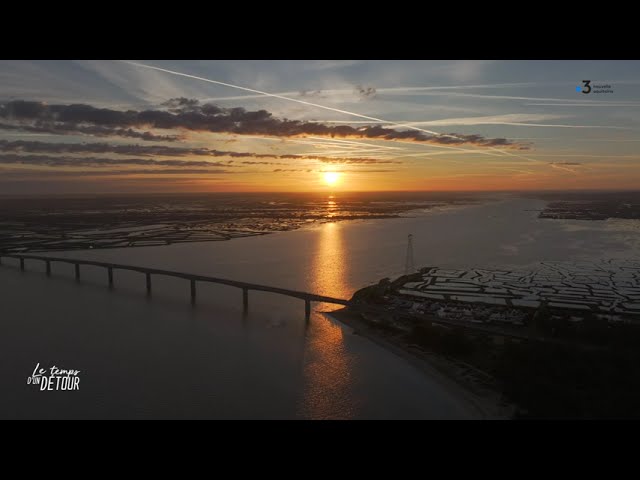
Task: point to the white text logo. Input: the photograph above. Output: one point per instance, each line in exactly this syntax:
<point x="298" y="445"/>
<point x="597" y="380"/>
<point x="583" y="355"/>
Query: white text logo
<point x="54" y="378"/>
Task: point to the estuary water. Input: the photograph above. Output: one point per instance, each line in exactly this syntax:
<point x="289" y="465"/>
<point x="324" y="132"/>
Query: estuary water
<point x="162" y="358"/>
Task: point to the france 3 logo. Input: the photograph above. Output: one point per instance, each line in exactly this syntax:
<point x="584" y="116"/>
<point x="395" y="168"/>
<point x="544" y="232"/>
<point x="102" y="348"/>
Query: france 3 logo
<point x="585" y="88"/>
<point x="597" y="88"/>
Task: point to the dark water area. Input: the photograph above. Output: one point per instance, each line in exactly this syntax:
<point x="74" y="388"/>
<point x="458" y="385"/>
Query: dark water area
<point x="162" y="358"/>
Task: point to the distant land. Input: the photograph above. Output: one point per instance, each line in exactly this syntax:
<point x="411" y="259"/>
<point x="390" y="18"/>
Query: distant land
<point x="591" y="205"/>
<point x="114" y="221"/>
<point x="71" y="223"/>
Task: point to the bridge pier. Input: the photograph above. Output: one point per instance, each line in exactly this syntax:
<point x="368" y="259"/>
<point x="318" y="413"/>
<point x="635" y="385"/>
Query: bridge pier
<point x="110" y="274"/>
<point x="245" y="299"/>
<point x="193" y="292"/>
<point x="22" y="264"/>
<point x="307" y="308"/>
<point x="77" y="272"/>
<point x="48" y="262"/>
<point x="148" y="284"/>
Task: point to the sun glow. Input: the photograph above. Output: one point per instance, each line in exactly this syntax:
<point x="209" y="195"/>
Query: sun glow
<point x="331" y="178"/>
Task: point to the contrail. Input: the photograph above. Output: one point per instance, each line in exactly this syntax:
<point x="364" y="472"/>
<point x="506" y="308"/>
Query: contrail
<point x="607" y="156"/>
<point x="274" y="95"/>
<point x="504" y="152"/>
<point x="385" y="90"/>
<point x="379" y="120"/>
<point x="435" y="153"/>
<point x="303" y="102"/>
<point x="491" y="122"/>
<point x="357" y="143"/>
<point x="593" y="104"/>
<point x="562" y="167"/>
<point x="564" y="126"/>
<point x="548" y="100"/>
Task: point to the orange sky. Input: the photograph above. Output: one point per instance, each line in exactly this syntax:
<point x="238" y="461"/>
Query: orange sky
<point x="280" y="126"/>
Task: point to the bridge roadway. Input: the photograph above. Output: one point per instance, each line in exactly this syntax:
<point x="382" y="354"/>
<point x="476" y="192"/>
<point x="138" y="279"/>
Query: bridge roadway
<point x="245" y="286"/>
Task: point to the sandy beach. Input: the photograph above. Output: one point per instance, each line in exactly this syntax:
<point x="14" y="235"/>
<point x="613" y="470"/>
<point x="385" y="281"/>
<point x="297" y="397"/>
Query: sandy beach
<point x="458" y="378"/>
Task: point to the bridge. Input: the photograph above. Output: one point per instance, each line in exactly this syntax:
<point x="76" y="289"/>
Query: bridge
<point x="193" y="279"/>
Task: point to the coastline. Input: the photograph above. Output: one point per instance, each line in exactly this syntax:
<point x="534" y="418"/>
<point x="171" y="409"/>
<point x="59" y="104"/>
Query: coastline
<point x="461" y="380"/>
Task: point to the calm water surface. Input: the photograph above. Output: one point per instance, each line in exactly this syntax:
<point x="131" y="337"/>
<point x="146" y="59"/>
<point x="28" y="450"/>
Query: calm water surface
<point x="212" y="361"/>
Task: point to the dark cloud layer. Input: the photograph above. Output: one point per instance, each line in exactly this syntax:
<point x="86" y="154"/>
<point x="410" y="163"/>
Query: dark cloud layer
<point x="141" y="150"/>
<point x="106" y="173"/>
<point x="62" y="161"/>
<point x="95" y="130"/>
<point x="148" y="171"/>
<point x="188" y="114"/>
<point x="30" y="146"/>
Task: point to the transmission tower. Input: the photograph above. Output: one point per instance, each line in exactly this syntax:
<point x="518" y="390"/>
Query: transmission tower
<point x="408" y="263"/>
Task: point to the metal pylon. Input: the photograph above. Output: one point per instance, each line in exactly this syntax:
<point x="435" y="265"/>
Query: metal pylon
<point x="408" y="263"/>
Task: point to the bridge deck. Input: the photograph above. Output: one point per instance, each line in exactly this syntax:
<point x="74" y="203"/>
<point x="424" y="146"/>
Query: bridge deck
<point x="308" y="297"/>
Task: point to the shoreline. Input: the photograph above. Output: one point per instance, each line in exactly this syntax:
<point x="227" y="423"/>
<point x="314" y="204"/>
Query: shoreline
<point x="461" y="380"/>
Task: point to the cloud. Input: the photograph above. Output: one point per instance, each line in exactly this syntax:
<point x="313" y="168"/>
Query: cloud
<point x="145" y="150"/>
<point x="591" y="104"/>
<point x="513" y="119"/>
<point x="508" y="119"/>
<point x="164" y="171"/>
<point x="565" y="166"/>
<point x="355" y="160"/>
<point x="365" y="93"/>
<point x="287" y="170"/>
<point x="181" y="103"/>
<point x="188" y="115"/>
<point x="308" y="93"/>
<point x="249" y="162"/>
<point x="98" y="131"/>
<point x="332" y="64"/>
<point x="62" y="161"/>
<point x="106" y="173"/>
<point x="366" y="170"/>
<point x="29" y="146"/>
<point x="382" y="90"/>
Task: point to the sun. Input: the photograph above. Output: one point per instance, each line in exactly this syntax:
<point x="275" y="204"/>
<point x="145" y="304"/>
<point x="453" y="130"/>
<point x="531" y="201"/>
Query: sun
<point x="331" y="178"/>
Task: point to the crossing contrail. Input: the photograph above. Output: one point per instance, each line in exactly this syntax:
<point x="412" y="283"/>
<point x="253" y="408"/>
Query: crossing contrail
<point x="303" y="102"/>
<point x="346" y="112"/>
<point x="273" y="95"/>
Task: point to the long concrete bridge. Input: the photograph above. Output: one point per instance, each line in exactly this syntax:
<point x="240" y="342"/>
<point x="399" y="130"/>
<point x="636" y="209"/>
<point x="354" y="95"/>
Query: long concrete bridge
<point x="148" y="272"/>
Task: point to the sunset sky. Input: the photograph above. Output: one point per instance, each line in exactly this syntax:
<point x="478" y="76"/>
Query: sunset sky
<point x="194" y="126"/>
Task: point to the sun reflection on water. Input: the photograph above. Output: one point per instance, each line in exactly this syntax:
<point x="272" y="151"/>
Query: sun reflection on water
<point x="327" y="365"/>
<point x="330" y="263"/>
